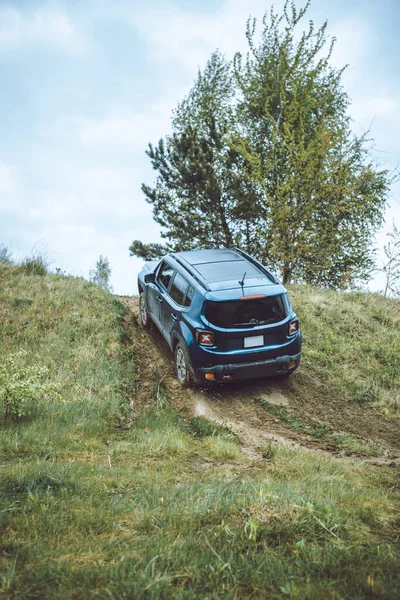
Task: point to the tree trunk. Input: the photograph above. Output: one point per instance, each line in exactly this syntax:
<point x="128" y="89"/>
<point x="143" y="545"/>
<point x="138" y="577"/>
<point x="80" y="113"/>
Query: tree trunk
<point x="224" y="224"/>
<point x="287" y="274"/>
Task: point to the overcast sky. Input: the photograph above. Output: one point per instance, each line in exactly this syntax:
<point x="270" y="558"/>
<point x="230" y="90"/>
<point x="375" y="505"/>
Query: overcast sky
<point x="87" y="84"/>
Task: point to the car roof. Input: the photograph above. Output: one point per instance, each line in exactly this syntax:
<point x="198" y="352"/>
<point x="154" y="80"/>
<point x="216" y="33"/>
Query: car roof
<point x="197" y="257"/>
<point x="224" y="268"/>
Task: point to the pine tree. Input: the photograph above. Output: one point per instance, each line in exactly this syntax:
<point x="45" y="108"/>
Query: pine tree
<point x="201" y="198"/>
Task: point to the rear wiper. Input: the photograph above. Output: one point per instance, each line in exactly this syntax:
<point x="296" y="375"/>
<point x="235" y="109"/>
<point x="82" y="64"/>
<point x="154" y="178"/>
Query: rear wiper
<point x="266" y="322"/>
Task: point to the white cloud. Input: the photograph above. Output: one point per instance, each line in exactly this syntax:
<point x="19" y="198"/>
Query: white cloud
<point x="46" y="25"/>
<point x="6" y="179"/>
<point x="353" y="41"/>
<point x="190" y="37"/>
<point x="78" y="191"/>
<point x="75" y="248"/>
<point x="71" y="245"/>
<point x="375" y="106"/>
<point x="129" y="129"/>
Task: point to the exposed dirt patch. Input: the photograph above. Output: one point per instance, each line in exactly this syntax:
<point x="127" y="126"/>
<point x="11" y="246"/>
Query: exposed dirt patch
<point x="275" y="398"/>
<point x="234" y="406"/>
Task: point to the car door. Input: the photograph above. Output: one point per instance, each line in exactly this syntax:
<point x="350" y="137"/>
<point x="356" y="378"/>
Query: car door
<point x="151" y="299"/>
<point x="172" y="305"/>
<point x="157" y="291"/>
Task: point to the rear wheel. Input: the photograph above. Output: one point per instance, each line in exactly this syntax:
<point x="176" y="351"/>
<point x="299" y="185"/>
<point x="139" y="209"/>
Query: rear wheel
<point x="182" y="367"/>
<point x="143" y="314"/>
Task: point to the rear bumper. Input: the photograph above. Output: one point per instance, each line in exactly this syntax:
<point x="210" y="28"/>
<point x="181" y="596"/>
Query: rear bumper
<point x="280" y="365"/>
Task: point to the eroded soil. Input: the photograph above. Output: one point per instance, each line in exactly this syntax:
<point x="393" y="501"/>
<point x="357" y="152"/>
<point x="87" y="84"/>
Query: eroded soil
<point x="235" y="405"/>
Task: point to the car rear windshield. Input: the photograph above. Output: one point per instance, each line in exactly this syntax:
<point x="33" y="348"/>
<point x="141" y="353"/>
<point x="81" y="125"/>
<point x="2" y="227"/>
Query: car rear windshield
<point x="247" y="313"/>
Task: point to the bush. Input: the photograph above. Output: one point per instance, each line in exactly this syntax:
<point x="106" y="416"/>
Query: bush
<point x="18" y="385"/>
<point x="35" y="265"/>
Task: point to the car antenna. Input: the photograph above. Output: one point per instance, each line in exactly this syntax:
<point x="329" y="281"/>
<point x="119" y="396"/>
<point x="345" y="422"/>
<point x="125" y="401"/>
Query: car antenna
<point x="242" y="282"/>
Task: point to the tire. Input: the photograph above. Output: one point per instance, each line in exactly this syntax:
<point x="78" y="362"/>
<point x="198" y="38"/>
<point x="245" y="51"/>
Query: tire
<point x="182" y="367"/>
<point x="144" y="317"/>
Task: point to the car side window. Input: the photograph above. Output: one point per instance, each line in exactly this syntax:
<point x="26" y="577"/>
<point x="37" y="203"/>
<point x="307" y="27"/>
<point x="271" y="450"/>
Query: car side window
<point x="178" y="288"/>
<point x="165" y="274"/>
<point x="189" y="296"/>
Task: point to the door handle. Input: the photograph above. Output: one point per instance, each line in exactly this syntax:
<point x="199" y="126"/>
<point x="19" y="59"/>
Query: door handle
<point x="173" y="315"/>
<point x="159" y="299"/>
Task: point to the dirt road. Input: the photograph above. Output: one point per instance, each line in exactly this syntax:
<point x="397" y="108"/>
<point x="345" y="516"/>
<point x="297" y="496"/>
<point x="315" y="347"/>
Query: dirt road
<point x="306" y="399"/>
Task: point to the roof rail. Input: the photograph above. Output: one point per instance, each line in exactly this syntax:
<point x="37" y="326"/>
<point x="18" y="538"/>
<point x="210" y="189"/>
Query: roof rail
<point x="257" y="263"/>
<point x="188" y="267"/>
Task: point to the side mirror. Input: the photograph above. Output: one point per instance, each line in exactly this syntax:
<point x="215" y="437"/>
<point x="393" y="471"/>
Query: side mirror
<point x="150" y="278"/>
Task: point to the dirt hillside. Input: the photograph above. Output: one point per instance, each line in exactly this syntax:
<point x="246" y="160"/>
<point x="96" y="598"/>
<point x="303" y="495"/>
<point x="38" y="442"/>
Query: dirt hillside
<point x="307" y="401"/>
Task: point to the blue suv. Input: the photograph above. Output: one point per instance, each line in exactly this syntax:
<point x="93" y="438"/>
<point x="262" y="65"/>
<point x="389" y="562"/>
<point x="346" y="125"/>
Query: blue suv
<point x="223" y="314"/>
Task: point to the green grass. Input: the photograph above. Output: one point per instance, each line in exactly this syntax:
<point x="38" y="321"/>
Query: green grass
<point x="352" y="342"/>
<point x="167" y="508"/>
<point x="73" y="329"/>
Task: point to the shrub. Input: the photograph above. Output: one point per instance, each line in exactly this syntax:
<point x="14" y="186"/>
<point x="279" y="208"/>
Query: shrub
<point x="18" y="385"/>
<point x="35" y="265"/>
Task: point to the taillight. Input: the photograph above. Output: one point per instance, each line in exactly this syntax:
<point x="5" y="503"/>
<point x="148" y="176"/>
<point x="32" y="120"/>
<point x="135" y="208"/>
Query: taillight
<point x="205" y="338"/>
<point x="254" y="297"/>
<point x="293" y="327"/>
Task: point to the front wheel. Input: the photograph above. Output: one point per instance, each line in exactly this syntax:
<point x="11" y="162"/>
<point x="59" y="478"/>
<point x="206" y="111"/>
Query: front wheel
<point x="143" y="314"/>
<point x="182" y="367"/>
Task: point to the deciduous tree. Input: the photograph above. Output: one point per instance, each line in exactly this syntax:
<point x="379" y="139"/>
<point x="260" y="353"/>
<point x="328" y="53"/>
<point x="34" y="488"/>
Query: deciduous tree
<point x="101" y="274"/>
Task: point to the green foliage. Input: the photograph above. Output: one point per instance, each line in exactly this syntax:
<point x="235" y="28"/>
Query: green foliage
<point x="5" y="255"/>
<point x="22" y="384"/>
<point x="262" y="156"/>
<point x="101" y="274"/>
<point x="147" y="251"/>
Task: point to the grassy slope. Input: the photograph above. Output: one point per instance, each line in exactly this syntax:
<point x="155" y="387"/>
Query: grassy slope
<point x="352" y="341"/>
<point x="166" y="509"/>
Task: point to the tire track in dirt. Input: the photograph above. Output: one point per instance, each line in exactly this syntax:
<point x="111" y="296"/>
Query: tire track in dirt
<point x="233" y="405"/>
